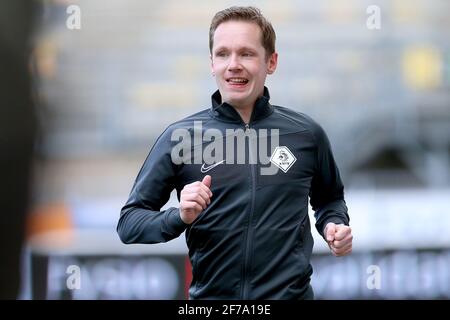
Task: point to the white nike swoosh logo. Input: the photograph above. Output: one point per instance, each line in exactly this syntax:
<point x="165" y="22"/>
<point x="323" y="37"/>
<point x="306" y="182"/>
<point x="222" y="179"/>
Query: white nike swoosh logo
<point x="204" y="169"/>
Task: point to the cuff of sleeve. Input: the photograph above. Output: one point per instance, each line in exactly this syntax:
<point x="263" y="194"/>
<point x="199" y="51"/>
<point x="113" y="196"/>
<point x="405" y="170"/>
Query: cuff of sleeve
<point x="176" y="225"/>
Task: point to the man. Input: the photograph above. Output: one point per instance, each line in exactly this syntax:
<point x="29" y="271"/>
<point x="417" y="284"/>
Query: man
<point x="18" y="130"/>
<point x="247" y="225"/>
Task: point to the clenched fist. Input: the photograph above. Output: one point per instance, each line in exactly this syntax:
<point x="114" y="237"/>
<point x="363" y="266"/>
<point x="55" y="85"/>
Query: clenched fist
<point x="339" y="238"/>
<point x="195" y="197"/>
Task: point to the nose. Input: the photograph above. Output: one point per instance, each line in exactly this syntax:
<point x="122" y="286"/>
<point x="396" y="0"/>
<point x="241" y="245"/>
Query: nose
<point x="235" y="64"/>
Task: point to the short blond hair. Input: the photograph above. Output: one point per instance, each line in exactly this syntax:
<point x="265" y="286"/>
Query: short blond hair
<point x="250" y="14"/>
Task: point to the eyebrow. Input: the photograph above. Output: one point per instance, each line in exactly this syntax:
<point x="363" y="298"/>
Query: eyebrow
<point x="240" y="49"/>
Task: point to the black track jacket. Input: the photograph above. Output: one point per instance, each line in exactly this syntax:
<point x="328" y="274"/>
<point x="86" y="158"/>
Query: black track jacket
<point x="254" y="239"/>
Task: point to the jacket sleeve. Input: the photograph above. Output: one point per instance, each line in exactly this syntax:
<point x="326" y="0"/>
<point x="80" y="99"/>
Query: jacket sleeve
<point x="327" y="190"/>
<point x="141" y="220"/>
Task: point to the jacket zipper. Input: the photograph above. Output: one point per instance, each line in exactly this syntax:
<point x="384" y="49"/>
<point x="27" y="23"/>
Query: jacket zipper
<point x="249" y="233"/>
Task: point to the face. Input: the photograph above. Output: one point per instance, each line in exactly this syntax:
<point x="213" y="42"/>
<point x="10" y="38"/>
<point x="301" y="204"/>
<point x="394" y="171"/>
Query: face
<point x="239" y="63"/>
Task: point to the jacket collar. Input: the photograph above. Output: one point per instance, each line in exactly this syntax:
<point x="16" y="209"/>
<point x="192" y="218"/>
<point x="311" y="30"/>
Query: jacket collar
<point x="226" y="112"/>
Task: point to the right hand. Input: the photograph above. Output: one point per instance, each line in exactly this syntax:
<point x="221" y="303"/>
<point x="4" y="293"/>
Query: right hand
<point x="195" y="197"/>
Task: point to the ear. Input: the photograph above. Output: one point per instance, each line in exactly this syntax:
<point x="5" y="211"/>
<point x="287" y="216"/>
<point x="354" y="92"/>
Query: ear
<point x="212" y="64"/>
<point x="272" y="63"/>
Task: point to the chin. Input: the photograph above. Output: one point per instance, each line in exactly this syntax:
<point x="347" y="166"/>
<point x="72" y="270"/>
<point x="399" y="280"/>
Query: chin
<point x="237" y="98"/>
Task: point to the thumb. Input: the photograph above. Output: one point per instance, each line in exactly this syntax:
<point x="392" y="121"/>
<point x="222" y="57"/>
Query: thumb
<point x="330" y="231"/>
<point x="207" y="181"/>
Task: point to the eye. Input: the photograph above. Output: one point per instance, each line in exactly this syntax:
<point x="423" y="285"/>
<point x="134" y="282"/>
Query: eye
<point x="221" y="54"/>
<point x="247" y="54"/>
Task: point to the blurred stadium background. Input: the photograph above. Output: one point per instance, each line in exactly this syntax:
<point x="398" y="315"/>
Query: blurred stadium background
<point x="108" y="89"/>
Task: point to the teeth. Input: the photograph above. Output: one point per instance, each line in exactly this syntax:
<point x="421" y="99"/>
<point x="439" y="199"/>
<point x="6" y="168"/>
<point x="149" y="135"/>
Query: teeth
<point x="238" y="80"/>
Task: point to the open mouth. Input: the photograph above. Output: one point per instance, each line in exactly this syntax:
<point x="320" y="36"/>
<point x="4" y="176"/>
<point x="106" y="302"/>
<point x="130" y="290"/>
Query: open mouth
<point x="235" y="81"/>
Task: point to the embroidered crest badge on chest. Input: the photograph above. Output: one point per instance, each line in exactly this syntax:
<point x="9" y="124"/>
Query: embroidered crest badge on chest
<point x="283" y="158"/>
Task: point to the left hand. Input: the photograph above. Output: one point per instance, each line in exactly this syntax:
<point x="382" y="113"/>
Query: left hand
<point x="339" y="238"/>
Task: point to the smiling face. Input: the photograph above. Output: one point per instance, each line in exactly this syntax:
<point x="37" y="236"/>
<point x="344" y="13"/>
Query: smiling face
<point x="239" y="63"/>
